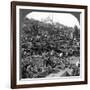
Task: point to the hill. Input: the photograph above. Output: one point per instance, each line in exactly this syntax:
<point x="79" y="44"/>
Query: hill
<point x="45" y="46"/>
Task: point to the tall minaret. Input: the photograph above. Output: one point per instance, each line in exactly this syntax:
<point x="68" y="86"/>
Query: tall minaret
<point x="52" y="18"/>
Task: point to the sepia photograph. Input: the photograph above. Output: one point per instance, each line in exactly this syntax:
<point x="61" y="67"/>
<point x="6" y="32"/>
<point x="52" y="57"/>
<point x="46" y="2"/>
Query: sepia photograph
<point x="49" y="43"/>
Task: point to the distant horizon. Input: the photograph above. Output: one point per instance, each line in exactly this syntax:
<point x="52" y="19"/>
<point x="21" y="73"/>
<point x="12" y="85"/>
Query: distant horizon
<point x="66" y="19"/>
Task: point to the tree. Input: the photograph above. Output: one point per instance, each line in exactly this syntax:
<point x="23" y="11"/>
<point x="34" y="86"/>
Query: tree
<point x="76" y="32"/>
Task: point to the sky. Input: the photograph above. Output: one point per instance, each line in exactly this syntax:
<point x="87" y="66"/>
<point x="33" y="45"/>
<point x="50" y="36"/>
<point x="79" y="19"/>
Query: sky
<point x="66" y="19"/>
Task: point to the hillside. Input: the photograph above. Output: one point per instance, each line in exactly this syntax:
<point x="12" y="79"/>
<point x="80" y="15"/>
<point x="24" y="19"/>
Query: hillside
<point x="46" y="46"/>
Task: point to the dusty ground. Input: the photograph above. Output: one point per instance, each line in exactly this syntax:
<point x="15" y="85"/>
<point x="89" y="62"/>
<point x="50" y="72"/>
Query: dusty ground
<point x="73" y="60"/>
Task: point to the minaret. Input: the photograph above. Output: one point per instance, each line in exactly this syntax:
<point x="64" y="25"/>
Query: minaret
<point x="52" y="18"/>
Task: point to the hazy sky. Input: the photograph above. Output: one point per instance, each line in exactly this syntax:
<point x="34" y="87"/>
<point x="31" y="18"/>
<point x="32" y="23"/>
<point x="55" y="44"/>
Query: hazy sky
<point x="63" y="18"/>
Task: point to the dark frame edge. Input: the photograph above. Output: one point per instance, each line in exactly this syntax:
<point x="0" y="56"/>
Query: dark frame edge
<point x="50" y="84"/>
<point x="13" y="45"/>
<point x="41" y="4"/>
<point x="86" y="45"/>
